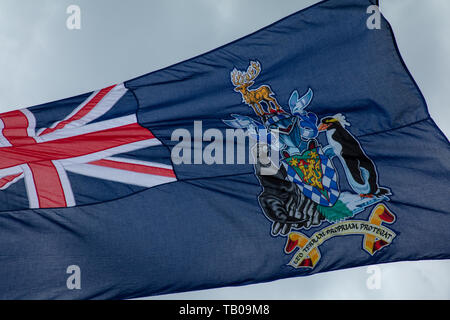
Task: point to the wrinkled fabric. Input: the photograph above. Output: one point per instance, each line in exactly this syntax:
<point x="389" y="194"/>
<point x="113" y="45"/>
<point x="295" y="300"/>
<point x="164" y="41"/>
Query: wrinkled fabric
<point x="208" y="227"/>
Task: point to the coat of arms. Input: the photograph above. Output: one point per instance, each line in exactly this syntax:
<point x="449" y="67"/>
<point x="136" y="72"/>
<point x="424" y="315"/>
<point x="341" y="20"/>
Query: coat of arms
<point x="304" y="192"/>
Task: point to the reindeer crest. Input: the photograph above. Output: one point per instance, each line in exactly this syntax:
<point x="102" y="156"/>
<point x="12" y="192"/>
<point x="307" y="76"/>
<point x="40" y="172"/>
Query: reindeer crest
<point x="243" y="80"/>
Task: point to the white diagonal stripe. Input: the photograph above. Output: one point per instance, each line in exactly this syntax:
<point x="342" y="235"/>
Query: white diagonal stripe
<point x="31" y="122"/>
<point x="89" y="128"/>
<point x="108" y="101"/>
<point x="119" y="175"/>
<point x="144" y="163"/>
<point x="33" y="200"/>
<point x="103" y="106"/>
<point x="3" y="141"/>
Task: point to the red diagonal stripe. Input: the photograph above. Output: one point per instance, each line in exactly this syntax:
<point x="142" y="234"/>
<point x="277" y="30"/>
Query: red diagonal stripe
<point x="82" y="112"/>
<point x="134" y="167"/>
<point x="8" y="179"/>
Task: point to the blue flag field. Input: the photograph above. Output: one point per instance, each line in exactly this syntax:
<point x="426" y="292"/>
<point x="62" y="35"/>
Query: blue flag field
<point x="302" y="148"/>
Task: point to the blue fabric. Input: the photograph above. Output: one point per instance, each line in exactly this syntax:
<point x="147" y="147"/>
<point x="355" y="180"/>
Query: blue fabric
<point x="210" y="228"/>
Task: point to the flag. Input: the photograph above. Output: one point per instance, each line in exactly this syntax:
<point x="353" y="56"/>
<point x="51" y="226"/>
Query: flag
<point x="304" y="147"/>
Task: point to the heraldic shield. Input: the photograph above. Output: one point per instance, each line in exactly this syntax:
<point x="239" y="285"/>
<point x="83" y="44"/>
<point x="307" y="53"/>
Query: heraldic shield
<point x="315" y="174"/>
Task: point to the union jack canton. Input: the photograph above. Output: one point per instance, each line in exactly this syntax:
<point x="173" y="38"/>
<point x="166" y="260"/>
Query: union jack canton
<point x="98" y="139"/>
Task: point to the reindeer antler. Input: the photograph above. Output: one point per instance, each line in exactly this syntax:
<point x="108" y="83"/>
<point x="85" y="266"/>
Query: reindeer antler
<point x="253" y="71"/>
<point x="239" y="78"/>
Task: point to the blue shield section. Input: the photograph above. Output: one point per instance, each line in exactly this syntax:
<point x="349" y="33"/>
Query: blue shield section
<point x="329" y="194"/>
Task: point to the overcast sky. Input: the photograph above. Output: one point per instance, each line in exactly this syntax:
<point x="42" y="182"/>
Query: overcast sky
<point x="41" y="61"/>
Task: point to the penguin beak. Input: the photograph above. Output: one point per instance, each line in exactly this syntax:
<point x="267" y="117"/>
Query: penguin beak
<point x="323" y="127"/>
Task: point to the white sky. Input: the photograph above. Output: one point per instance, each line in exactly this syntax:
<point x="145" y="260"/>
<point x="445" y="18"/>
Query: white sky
<point x="41" y="61"/>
